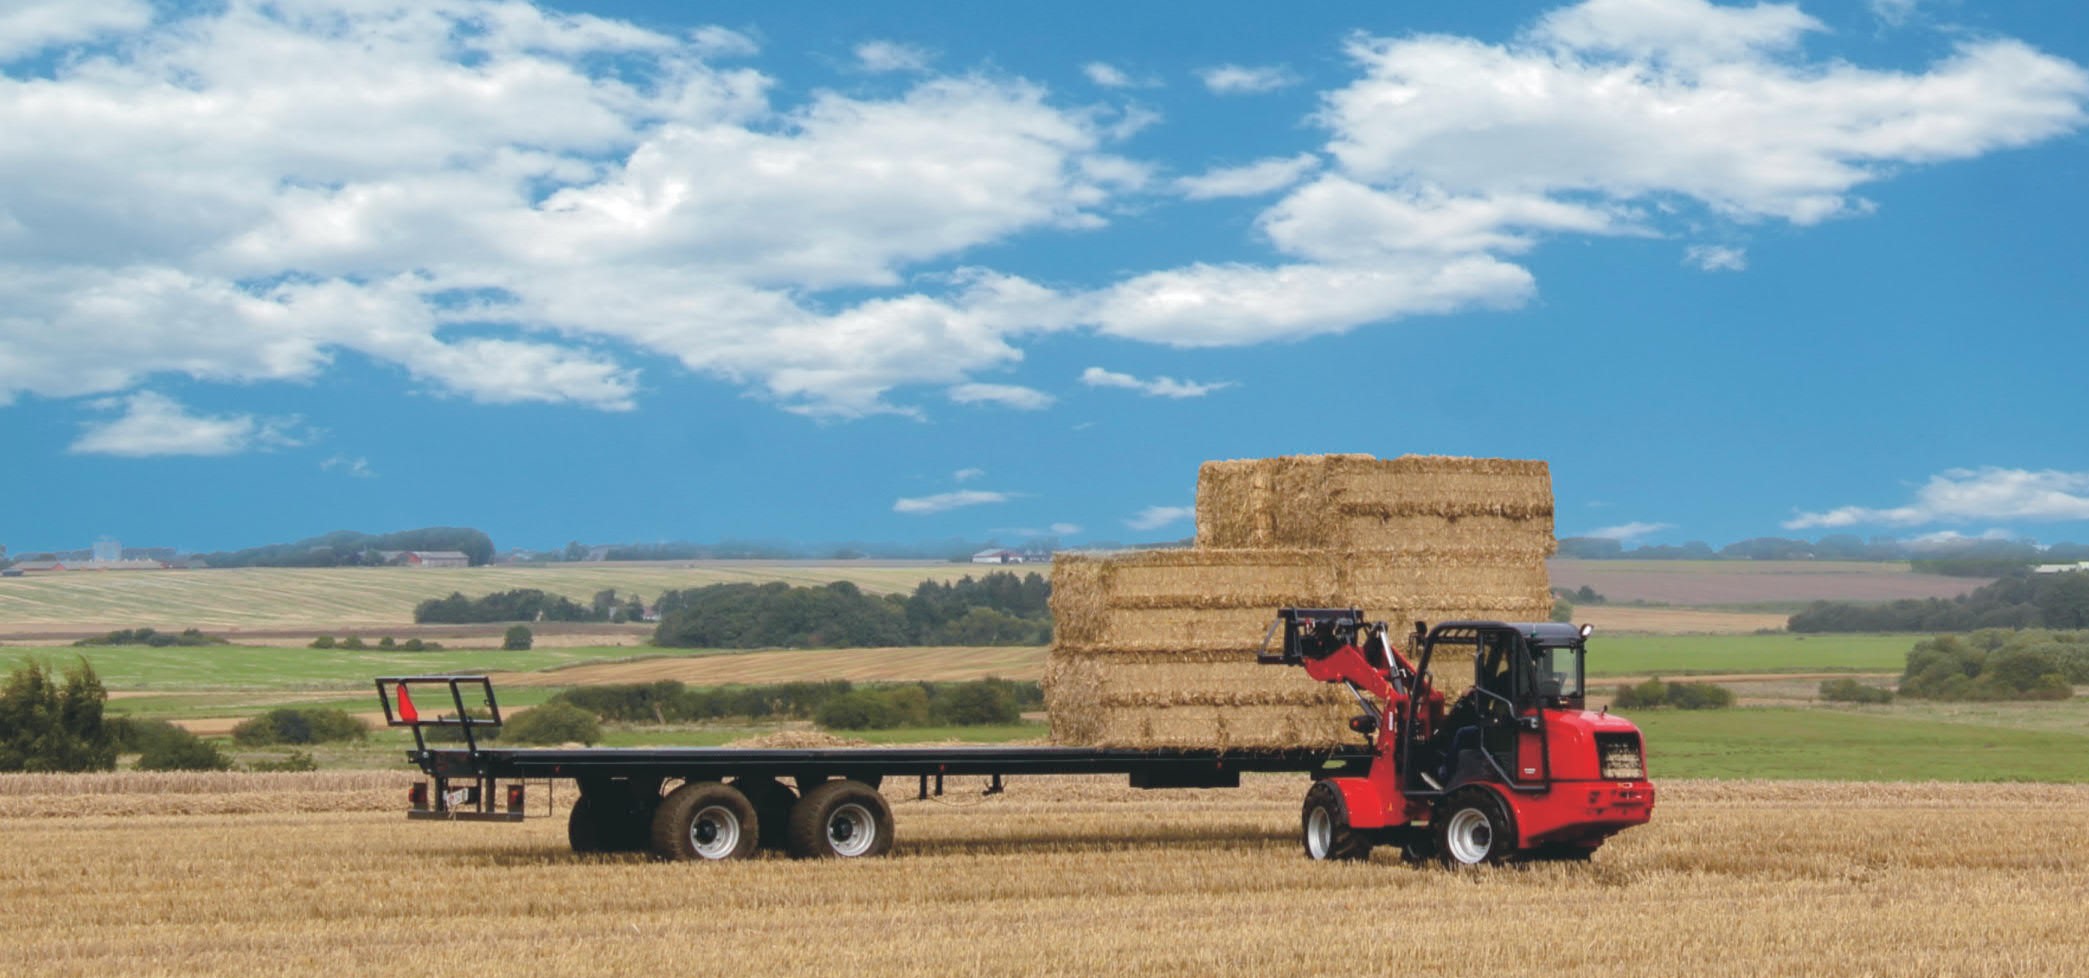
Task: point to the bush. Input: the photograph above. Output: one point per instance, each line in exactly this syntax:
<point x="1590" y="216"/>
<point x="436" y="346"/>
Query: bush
<point x="977" y="704"/>
<point x="175" y="749"/>
<point x="322" y="642"/>
<point x="553" y="723"/>
<point x="1996" y="665"/>
<point x="1852" y="691"/>
<point x="46" y="725"/>
<point x="1562" y="610"/>
<point x="859" y="710"/>
<point x="1683" y="696"/>
<point x="298" y="725"/>
<point x="156" y="639"/>
<point x="296" y="760"/>
<point x="353" y="642"/>
<point x="518" y="639"/>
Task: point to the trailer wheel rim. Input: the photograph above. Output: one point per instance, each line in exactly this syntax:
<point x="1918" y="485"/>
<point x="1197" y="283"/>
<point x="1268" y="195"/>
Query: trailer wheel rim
<point x="1470" y="836"/>
<point x="715" y="832"/>
<point x="851" y="831"/>
<point x="1320" y="833"/>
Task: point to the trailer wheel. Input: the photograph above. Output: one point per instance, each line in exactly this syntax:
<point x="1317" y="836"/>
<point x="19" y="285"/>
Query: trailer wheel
<point x="1471" y="830"/>
<point x="840" y="820"/>
<point x="595" y="827"/>
<point x="705" y="820"/>
<point x="772" y="808"/>
<point x="1324" y="824"/>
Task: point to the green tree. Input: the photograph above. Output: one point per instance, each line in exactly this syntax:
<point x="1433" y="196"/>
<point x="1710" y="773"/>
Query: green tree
<point x="518" y="639"/>
<point x="179" y="750"/>
<point x="976" y="704"/>
<point x="46" y="725"/>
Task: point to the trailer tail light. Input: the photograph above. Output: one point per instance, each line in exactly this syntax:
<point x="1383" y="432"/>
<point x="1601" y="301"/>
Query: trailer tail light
<point x="515" y="796"/>
<point x="1620" y="755"/>
<point x="417" y="796"/>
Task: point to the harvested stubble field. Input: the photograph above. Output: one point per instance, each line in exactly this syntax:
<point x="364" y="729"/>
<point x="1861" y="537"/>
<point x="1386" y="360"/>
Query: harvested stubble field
<point x="341" y="598"/>
<point x="1063" y="877"/>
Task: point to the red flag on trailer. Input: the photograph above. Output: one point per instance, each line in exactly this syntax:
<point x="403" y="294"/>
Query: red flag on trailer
<point x="406" y="710"/>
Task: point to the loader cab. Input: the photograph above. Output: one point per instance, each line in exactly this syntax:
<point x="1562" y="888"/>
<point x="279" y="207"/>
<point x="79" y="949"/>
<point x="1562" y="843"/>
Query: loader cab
<point x="1520" y="672"/>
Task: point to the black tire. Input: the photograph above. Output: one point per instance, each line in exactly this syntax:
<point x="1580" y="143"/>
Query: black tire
<point x="1472" y="830"/>
<point x="840" y="820"/>
<point x="705" y="820"/>
<point x="1324" y="826"/>
<point x="1417" y="846"/>
<point x="772" y="809"/>
<point x="595" y="827"/>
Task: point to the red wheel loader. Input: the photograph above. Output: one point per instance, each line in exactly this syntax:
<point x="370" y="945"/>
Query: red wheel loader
<point x="1515" y="768"/>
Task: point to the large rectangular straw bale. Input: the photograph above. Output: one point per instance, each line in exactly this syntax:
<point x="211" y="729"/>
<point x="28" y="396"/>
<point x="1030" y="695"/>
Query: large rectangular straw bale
<point x="1357" y="502"/>
<point x="1105" y="701"/>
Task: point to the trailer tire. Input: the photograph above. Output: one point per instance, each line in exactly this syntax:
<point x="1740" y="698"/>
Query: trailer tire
<point x="772" y="809"/>
<point x="840" y="820"/>
<point x="1472" y="830"/>
<point x="1324" y="826"/>
<point x="705" y="820"/>
<point x="594" y="827"/>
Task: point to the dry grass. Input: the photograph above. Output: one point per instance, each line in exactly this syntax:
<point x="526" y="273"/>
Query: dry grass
<point x="1076" y="878"/>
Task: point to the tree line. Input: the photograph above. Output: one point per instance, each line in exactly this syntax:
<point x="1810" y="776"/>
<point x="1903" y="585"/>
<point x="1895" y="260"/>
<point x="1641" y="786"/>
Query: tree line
<point x="1967" y="558"/>
<point x="2020" y="601"/>
<point x="527" y="604"/>
<point x="999" y="608"/>
<point x="837" y="703"/>
<point x="347" y="548"/>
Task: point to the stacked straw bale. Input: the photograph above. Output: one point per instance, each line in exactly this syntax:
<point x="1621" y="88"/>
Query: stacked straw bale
<point x="1157" y="648"/>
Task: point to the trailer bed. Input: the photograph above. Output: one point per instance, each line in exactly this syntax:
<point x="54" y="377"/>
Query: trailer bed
<point x="719" y="763"/>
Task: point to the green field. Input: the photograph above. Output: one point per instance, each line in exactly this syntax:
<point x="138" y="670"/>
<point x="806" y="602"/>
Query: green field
<point x="321" y="598"/>
<point x="1681" y="655"/>
<point x="244" y="667"/>
<point x="1824" y="744"/>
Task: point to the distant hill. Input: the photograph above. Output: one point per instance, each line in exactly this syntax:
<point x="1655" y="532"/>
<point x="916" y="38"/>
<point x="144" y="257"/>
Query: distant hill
<point x="347" y="548"/>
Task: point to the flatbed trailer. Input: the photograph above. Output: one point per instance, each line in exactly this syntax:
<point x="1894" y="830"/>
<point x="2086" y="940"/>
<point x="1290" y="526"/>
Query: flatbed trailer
<point x="809" y="802"/>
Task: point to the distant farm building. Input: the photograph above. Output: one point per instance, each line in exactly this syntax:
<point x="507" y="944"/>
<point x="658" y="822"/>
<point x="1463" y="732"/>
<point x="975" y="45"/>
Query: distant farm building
<point x="40" y="566"/>
<point x="2080" y="565"/>
<point x="435" y="558"/>
<point x="997" y="557"/>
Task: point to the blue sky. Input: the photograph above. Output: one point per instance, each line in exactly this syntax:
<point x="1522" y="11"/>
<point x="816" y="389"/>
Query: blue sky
<point x="910" y="272"/>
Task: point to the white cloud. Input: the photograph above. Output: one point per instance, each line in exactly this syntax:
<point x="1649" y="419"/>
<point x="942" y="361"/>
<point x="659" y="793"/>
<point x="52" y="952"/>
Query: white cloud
<point x="1628" y="531"/>
<point x="28" y="26"/>
<point x="1964" y="495"/>
<point x="1716" y="258"/>
<point x="1065" y="529"/>
<point x="1157" y="387"/>
<point x="358" y="467"/>
<point x="1246" y="80"/>
<point x="1895" y="13"/>
<point x="966" y="475"/>
<point x="1108" y="75"/>
<point x="884" y="56"/>
<point x="1251" y="180"/>
<point x="1006" y="395"/>
<point x="155" y="424"/>
<point x="1155" y="517"/>
<point x="511" y="205"/>
<point x="712" y="41"/>
<point x="945" y="501"/>
<point x="1237" y="305"/>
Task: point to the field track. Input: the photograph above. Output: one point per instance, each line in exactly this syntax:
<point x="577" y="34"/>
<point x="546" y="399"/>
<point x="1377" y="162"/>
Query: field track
<point x="1055" y="877"/>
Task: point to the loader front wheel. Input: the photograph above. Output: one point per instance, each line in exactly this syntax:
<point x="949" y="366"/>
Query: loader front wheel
<point x="1324" y="824"/>
<point x="1471" y="830"/>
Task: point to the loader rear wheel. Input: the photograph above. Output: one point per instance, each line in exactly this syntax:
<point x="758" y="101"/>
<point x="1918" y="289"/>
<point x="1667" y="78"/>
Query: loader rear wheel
<point x="1324" y="824"/>
<point x="840" y="820"/>
<point x="705" y="820"/>
<point x="1472" y="830"/>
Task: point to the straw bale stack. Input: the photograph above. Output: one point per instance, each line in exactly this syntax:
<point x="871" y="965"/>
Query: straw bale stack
<point x="1157" y="648"/>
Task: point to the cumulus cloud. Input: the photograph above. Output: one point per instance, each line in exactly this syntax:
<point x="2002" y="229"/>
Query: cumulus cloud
<point x="1965" y="495"/>
<point x="966" y="475"/>
<point x="154" y="424"/>
<point x="357" y="467"/>
<point x="884" y="56"/>
<point x="1110" y="76"/>
<point x="1628" y="531"/>
<point x="1006" y="395"/>
<point x="513" y="204"/>
<point x="946" y="501"/>
<point x="1251" y="180"/>
<point x="1246" y="80"/>
<point x="28" y="26"/>
<point x="1716" y="258"/>
<point x="1157" y="387"/>
<point x="1065" y="529"/>
<point x="1155" y="517"/>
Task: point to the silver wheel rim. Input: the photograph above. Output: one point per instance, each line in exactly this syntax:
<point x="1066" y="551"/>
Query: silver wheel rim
<point x="715" y="832"/>
<point x="851" y="830"/>
<point x="1320" y="833"/>
<point x="1471" y="836"/>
